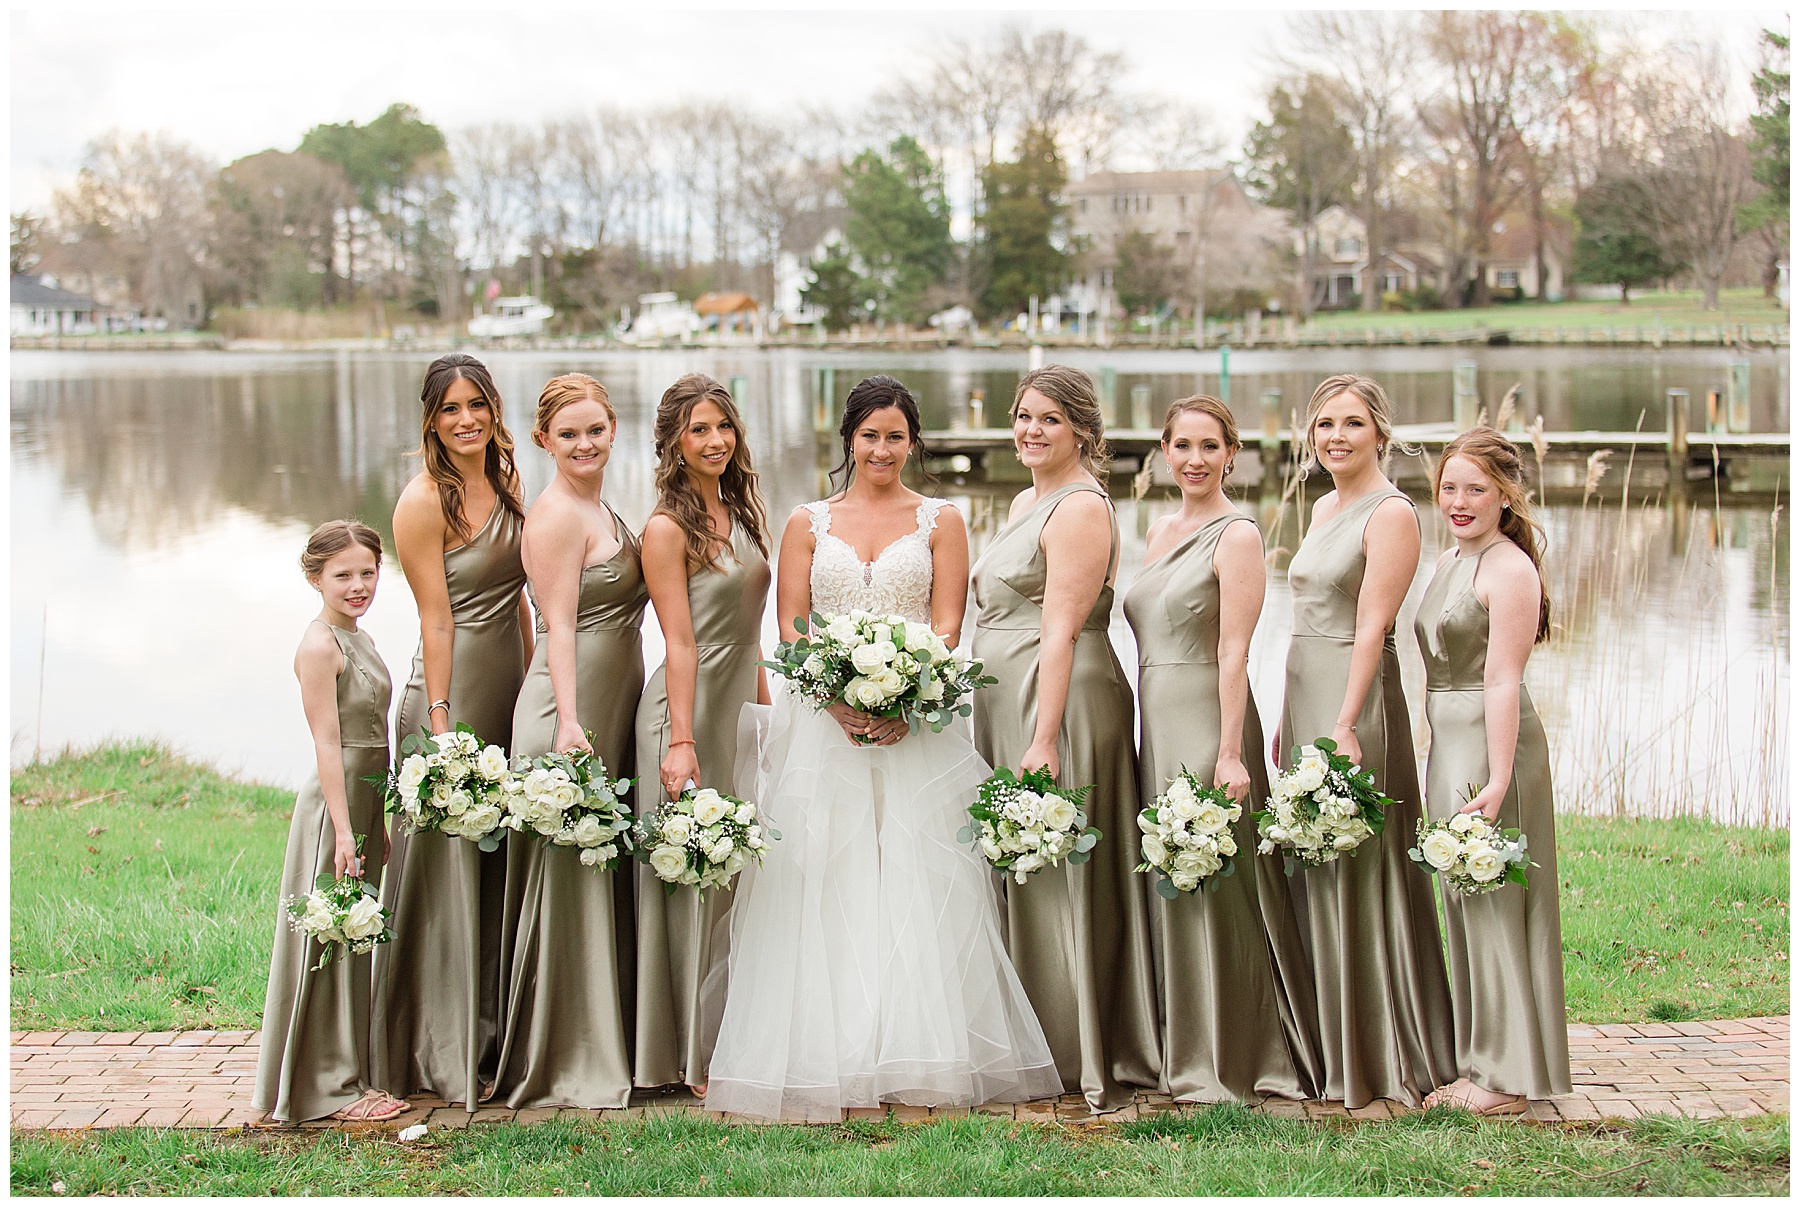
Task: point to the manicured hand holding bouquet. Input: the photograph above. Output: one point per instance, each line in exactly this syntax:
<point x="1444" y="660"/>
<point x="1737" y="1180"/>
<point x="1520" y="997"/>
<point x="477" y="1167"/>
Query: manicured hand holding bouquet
<point x="702" y="838"/>
<point x="1187" y="836"/>
<point x="570" y="800"/>
<point x="887" y="666"/>
<point x="345" y="911"/>
<point x="1023" y="823"/>
<point x="1470" y="853"/>
<point x="450" y="783"/>
<point x="1326" y="805"/>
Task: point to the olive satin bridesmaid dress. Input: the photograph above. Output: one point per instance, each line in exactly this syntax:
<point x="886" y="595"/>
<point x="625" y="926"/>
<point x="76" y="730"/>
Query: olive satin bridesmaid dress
<point x="315" y="1025"/>
<point x="1504" y="947"/>
<point x="1368" y="918"/>
<point x="564" y="1039"/>
<point x="1233" y="983"/>
<point x="437" y="984"/>
<point x="679" y="939"/>
<point x="1079" y="934"/>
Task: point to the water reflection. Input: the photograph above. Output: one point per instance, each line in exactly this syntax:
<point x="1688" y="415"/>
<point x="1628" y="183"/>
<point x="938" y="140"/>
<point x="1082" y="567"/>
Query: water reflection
<point x="159" y="503"/>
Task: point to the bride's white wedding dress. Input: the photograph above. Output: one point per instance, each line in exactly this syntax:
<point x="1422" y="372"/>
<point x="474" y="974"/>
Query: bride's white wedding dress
<point x="866" y="964"/>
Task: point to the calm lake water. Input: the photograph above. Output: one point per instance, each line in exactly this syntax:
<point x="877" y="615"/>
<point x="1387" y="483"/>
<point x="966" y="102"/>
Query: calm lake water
<point x="159" y="502"/>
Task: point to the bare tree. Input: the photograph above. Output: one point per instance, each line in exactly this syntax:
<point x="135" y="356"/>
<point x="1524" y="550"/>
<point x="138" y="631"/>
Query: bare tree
<point x="484" y="170"/>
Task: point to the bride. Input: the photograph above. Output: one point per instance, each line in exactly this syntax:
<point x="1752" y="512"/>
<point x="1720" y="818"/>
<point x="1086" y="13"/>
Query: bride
<point x="866" y="964"/>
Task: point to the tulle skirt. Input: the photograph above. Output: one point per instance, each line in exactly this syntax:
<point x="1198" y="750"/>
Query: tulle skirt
<point x="866" y="962"/>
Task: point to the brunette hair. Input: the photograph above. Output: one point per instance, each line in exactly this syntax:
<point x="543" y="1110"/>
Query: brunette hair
<point x="1074" y="392"/>
<point x="501" y="471"/>
<point x="869" y="395"/>
<point x="1203" y="404"/>
<point x="1498" y="458"/>
<point x="563" y="391"/>
<point x="332" y="538"/>
<point x="676" y="496"/>
<point x="1366" y="390"/>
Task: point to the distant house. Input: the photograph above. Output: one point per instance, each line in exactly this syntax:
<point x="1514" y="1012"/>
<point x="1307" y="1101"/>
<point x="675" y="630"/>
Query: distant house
<point x="1513" y="269"/>
<point x="1342" y="270"/>
<point x="1180" y="210"/>
<point x="41" y="307"/>
<point x="727" y="311"/>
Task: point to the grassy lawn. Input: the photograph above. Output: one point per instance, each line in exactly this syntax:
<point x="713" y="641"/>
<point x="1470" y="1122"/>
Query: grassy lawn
<point x="143" y="898"/>
<point x="1225" y="1150"/>
<point x="1674" y="309"/>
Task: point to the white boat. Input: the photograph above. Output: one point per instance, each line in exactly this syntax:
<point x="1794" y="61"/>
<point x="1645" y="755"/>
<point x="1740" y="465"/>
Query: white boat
<point x="512" y="316"/>
<point x="659" y="316"/>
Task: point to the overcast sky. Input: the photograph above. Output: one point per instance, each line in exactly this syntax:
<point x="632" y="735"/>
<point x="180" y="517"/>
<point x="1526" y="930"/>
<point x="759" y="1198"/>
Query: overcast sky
<point x="236" y="80"/>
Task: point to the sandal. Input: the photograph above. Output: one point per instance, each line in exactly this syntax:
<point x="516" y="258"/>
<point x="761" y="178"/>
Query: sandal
<point x="1465" y="1101"/>
<point x="373" y="1107"/>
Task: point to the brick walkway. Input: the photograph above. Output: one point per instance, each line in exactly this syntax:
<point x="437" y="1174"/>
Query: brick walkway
<point x="203" y="1079"/>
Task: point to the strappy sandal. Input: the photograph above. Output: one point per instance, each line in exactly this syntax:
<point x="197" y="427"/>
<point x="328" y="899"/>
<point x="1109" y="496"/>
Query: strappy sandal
<point x="372" y="1107"/>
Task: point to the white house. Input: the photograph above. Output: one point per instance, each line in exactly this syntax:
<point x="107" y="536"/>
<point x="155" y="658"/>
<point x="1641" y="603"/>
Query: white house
<point x="39" y="307"/>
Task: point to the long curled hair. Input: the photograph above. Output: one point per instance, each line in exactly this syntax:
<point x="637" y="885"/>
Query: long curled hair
<point x="502" y="474"/>
<point x="1498" y="458"/>
<point x="869" y="395"/>
<point x="676" y="496"/>
<point x="1074" y="392"/>
<point x="1365" y="390"/>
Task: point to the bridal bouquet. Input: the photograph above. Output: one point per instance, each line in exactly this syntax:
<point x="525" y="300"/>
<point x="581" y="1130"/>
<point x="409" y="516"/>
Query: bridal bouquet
<point x="1325" y="806"/>
<point x="884" y="665"/>
<point x="1023" y="823"/>
<point x="570" y="800"/>
<point x="346" y="911"/>
<point x="702" y="838"/>
<point x="1470" y="853"/>
<point x="450" y="783"/>
<point x="1187" y="836"/>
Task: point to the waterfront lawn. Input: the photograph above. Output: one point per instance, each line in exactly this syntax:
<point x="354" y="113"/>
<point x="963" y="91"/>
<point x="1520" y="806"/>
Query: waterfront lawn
<point x="1676" y="308"/>
<point x="143" y="898"/>
<point x="1221" y="1151"/>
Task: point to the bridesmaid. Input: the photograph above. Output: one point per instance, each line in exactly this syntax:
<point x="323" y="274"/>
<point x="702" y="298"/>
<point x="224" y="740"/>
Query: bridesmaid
<point x="314" y="1061"/>
<point x="563" y="1040"/>
<point x="1378" y="973"/>
<point x="706" y="562"/>
<point x="1484" y="610"/>
<point x="1232" y="980"/>
<point x="1079" y="935"/>
<point x="456" y="528"/>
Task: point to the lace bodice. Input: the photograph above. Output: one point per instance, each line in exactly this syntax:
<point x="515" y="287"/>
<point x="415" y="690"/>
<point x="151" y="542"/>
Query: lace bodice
<point x="897" y="581"/>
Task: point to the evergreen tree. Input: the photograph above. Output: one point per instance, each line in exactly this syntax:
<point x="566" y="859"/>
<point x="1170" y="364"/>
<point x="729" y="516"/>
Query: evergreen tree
<point x="1303" y="160"/>
<point x="1617" y="242"/>
<point x="1022" y="238"/>
<point x="834" y="288"/>
<point x="898" y="227"/>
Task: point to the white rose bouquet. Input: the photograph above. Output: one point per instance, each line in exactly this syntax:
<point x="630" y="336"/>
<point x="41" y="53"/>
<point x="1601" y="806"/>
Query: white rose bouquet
<point x="346" y="912"/>
<point x="1470" y="853"/>
<point x="569" y="800"/>
<point x="1023" y="823"/>
<point x="887" y="666"/>
<point x="450" y="783"/>
<point x="1187" y="836"/>
<point x="702" y="838"/>
<point x="1321" y="808"/>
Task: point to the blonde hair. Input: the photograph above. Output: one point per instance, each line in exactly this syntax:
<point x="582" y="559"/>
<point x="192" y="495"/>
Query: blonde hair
<point x="1498" y="458"/>
<point x="567" y="390"/>
<point x="1074" y="392"/>
<point x="332" y="538"/>
<point x="1202" y="404"/>
<point x="1365" y="390"/>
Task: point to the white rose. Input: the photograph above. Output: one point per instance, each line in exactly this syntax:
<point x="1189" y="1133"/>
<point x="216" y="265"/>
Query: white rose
<point x="1147" y="824"/>
<point x="563" y="795"/>
<point x="746" y="813"/>
<point x="539" y="781"/>
<point x="918" y="636"/>
<point x="710" y="807"/>
<point x="412" y="774"/>
<point x="677" y="828"/>
<point x="1227" y="845"/>
<point x="1211" y="818"/>
<point x="456" y="771"/>
<point x="890" y="681"/>
<point x="668" y="862"/>
<point x="990" y="848"/>
<point x="492" y="763"/>
<point x="588" y="832"/>
<point x="1265" y="847"/>
<point x="318" y="918"/>
<point x="867" y="659"/>
<point x="1029" y="862"/>
<point x="814" y="666"/>
<point x="735" y="861"/>
<point x="1347" y="842"/>
<point x="720" y="850"/>
<point x="1059" y="813"/>
<point x="1483" y="862"/>
<point x="363" y="921"/>
<point x="1155" y="853"/>
<point x="1462" y="823"/>
<point x="931" y="688"/>
<point x="841" y="629"/>
<point x="1187" y="882"/>
<point x="595" y="856"/>
<point x="865" y="693"/>
<point x="1031" y="839"/>
<point x="457" y="803"/>
<point x="480" y="819"/>
<point x="1440" y="849"/>
<point x="1185" y="808"/>
<point x="690" y="876"/>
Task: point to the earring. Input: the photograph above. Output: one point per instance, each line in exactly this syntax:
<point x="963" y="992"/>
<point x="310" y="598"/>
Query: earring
<point x="680" y="459"/>
<point x="1381" y="450"/>
<point x="1229" y="466"/>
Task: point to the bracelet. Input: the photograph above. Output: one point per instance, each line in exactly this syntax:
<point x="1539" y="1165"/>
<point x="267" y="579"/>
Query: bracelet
<point x="437" y="704"/>
<point x="1351" y="728"/>
<point x="684" y="742"/>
